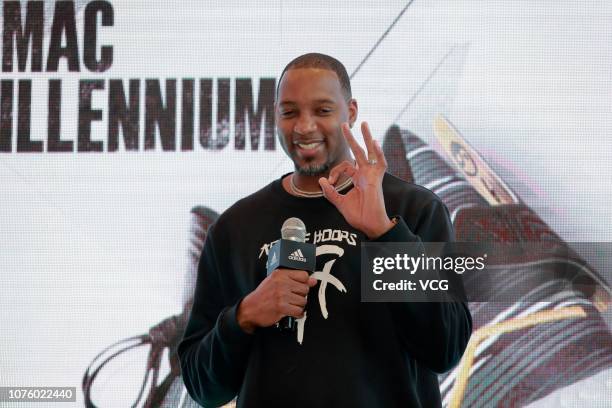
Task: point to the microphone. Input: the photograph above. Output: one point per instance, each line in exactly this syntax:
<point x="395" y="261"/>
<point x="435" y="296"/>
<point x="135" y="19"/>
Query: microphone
<point x="291" y="252"/>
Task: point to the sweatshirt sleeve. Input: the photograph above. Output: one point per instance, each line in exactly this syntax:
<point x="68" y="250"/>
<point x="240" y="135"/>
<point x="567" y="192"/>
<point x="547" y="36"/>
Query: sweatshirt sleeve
<point x="214" y="350"/>
<point x="435" y="333"/>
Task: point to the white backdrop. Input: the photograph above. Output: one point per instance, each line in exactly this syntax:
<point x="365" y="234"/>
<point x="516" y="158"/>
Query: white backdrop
<point x="93" y="245"/>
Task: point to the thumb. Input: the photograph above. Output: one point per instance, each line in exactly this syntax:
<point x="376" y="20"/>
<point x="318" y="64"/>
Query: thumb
<point x="330" y="192"/>
<point x="312" y="282"/>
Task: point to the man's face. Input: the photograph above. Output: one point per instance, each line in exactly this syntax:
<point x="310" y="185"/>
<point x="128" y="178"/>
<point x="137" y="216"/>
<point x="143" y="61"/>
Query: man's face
<point x="309" y="112"/>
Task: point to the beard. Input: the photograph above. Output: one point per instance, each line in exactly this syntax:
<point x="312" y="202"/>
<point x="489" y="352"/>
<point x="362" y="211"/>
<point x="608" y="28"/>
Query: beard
<point x="313" y="169"/>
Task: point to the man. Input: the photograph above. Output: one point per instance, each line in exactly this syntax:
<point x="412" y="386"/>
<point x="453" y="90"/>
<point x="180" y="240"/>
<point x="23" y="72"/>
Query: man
<point x="346" y="353"/>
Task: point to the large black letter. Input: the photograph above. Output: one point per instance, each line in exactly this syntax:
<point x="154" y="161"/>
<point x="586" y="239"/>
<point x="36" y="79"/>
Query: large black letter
<point x="54" y="142"/>
<point x="6" y="115"/>
<point x="63" y="21"/>
<point x="187" y="116"/>
<point x="205" y="112"/>
<point x="244" y="111"/>
<point x="119" y="113"/>
<point x="24" y="144"/>
<point x="155" y="113"/>
<point x="13" y="28"/>
<point x="222" y="129"/>
<point x="90" y="36"/>
<point x="87" y="115"/>
<point x="223" y="113"/>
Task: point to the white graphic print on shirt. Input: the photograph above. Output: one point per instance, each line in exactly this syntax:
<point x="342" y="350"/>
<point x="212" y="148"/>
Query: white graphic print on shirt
<point x="324" y="276"/>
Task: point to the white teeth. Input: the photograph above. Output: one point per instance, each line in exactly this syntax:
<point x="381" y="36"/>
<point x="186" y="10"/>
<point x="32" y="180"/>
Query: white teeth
<point x="309" y="145"/>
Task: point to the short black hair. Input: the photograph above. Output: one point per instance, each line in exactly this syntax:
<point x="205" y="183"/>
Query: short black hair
<point x="321" y="61"/>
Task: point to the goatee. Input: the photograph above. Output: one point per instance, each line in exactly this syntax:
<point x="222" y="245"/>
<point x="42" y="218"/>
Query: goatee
<point x="313" y="170"/>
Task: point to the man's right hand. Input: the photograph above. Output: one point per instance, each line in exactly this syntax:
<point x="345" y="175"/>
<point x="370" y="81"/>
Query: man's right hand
<point x="282" y="293"/>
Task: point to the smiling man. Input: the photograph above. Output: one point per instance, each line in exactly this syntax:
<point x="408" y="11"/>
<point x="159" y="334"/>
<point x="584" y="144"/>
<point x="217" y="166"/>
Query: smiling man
<point x="346" y="353"/>
<point x="313" y="104"/>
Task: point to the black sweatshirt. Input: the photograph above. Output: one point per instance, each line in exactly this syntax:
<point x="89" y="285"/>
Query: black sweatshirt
<point x="353" y="354"/>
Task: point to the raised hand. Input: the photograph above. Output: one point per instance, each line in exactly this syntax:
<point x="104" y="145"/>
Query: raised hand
<point x="363" y="207"/>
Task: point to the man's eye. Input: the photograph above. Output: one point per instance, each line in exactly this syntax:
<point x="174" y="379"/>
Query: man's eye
<point x="286" y="113"/>
<point x="325" y="111"/>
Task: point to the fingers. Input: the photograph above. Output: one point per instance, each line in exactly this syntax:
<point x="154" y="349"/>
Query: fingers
<point x="300" y="282"/>
<point x="299" y="276"/>
<point x="296" y="300"/>
<point x="330" y="192"/>
<point x="346" y="167"/>
<point x="291" y="310"/>
<point x="358" y="152"/>
<point x="374" y="151"/>
<point x="291" y="291"/>
<point x="300" y="289"/>
<point x="282" y="293"/>
<point x="369" y="141"/>
<point x="380" y="155"/>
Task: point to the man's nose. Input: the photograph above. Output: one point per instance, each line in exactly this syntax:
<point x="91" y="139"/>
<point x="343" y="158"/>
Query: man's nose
<point x="305" y="124"/>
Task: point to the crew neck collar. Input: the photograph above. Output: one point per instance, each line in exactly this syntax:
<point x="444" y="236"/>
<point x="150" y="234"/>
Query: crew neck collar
<point x="277" y="186"/>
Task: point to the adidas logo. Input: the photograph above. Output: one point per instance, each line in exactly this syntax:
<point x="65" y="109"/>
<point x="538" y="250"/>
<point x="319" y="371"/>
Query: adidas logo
<point x="297" y="256"/>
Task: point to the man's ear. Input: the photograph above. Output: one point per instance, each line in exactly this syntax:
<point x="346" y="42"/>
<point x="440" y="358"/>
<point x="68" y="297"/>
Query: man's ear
<point x="353" y="109"/>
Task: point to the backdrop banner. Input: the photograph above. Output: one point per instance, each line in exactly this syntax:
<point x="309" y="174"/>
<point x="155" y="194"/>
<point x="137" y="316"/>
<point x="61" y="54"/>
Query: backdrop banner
<point x="128" y="126"/>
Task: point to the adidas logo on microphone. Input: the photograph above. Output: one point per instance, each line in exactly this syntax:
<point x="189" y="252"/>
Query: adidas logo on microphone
<point x="297" y="256"/>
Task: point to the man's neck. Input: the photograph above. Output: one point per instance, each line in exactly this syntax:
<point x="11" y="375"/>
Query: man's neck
<point x="307" y="183"/>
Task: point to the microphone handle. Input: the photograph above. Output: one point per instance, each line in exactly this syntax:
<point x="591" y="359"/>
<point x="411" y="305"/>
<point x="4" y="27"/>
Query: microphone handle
<point x="287" y="324"/>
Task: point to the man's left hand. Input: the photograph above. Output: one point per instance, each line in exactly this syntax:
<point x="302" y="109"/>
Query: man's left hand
<point x="363" y="207"/>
